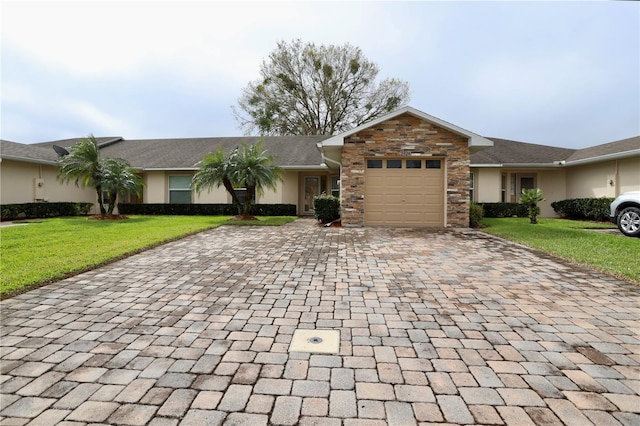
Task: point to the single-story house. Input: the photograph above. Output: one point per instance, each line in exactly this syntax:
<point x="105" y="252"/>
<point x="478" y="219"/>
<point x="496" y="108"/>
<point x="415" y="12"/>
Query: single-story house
<point x="499" y="174"/>
<point x="406" y="168"/>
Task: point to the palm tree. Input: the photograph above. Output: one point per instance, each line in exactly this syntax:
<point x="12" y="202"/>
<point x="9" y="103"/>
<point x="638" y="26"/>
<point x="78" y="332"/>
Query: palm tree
<point x="213" y="172"/>
<point x="118" y="178"/>
<point x="247" y="167"/>
<point x="82" y="166"/>
<point x="253" y="168"/>
<point x="531" y="198"/>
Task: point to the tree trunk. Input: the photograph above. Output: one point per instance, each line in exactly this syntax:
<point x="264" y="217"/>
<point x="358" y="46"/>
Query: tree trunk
<point x="249" y="200"/>
<point x="103" y="211"/>
<point x="112" y="203"/>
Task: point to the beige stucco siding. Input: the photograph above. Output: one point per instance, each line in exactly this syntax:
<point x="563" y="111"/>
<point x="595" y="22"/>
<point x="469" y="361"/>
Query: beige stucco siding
<point x="289" y="188"/>
<point x="629" y="174"/>
<point x="551" y="182"/>
<point x="19" y="184"/>
<point x="606" y="179"/>
<point x="487" y="184"/>
<point x="156" y="190"/>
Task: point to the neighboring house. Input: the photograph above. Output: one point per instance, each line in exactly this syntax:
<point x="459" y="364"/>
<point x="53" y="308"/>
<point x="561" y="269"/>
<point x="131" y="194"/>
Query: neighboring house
<point x="500" y="173"/>
<point x="406" y="168"/>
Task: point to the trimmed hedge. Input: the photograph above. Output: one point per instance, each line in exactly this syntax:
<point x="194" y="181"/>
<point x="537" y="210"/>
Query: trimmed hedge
<point x="326" y="208"/>
<point x="42" y="210"/>
<point x="504" y="210"/>
<point x="584" y="208"/>
<point x="205" y="209"/>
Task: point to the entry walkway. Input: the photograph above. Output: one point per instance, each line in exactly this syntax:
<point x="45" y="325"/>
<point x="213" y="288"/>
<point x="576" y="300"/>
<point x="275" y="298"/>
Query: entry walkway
<point x="435" y="327"/>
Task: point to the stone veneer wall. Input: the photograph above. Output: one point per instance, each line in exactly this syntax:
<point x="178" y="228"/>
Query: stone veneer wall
<point x="405" y="136"/>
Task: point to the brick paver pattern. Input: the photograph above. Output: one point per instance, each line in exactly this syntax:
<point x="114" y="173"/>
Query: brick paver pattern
<point x="435" y="326"/>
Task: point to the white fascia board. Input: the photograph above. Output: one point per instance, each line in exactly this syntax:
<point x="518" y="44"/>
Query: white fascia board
<point x="475" y="140"/>
<point x="167" y="169"/>
<point x="479" y="166"/>
<point x="305" y="167"/>
<point x="555" y="164"/>
<point x="190" y="169"/>
<point x="614" y="156"/>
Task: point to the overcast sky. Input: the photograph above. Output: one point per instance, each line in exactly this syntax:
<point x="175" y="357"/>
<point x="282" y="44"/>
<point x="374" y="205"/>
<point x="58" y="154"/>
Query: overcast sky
<point x="555" y="73"/>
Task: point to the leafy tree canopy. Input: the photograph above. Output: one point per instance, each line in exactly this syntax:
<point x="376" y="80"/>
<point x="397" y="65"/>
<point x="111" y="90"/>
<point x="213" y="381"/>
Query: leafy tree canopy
<point x="306" y="89"/>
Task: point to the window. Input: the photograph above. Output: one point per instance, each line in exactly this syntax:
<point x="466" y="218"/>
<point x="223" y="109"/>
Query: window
<point x="180" y="189"/>
<point x="241" y="193"/>
<point x="335" y="186"/>
<point x="433" y="164"/>
<point x="374" y="164"/>
<point x="472" y="186"/>
<point x="503" y="189"/>
<point x="414" y="164"/>
<point x="394" y="164"/>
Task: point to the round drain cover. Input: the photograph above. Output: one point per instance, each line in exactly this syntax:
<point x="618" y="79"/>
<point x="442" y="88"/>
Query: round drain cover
<point x="314" y="339"/>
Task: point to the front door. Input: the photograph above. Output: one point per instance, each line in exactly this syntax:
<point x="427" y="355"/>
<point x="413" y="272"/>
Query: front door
<point x="525" y="181"/>
<point x="311" y="190"/>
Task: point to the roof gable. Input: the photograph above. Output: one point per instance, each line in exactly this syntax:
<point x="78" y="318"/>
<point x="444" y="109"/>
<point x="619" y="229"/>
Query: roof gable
<point x="475" y="141"/>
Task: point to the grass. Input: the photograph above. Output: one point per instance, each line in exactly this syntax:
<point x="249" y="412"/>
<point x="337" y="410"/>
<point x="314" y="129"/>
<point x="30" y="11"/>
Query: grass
<point x="572" y="240"/>
<point x="50" y="249"/>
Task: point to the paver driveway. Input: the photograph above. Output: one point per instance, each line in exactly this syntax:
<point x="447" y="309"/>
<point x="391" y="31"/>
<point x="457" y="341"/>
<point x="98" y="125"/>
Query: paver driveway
<point x="435" y="327"/>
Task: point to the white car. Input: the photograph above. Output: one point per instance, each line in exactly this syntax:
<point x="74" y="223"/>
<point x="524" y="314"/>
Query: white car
<point x="625" y="212"/>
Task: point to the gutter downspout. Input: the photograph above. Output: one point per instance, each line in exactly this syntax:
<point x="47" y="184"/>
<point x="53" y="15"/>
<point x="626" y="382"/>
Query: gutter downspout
<point x="325" y="159"/>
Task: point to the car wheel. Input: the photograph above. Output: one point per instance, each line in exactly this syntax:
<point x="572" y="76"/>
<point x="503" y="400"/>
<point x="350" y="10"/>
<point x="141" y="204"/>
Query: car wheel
<point x="629" y="221"/>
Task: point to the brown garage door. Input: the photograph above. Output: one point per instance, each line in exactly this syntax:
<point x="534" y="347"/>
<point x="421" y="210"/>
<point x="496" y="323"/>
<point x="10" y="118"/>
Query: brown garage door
<point x="404" y="192"/>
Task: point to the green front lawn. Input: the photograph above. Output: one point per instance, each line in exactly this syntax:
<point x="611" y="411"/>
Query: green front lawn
<point x="50" y="249"/>
<point x="572" y="240"/>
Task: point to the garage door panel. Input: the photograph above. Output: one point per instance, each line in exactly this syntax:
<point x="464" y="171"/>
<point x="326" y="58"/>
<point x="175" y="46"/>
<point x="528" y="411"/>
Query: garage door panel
<point x="404" y="197"/>
<point x="382" y="199"/>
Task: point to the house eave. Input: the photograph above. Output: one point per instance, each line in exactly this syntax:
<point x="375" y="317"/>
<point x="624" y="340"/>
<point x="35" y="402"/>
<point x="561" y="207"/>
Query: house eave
<point x="190" y="169"/>
<point x="553" y="165"/>
<point x="27" y="160"/>
<point x="306" y="167"/>
<point x="479" y="166"/>
<point x="167" y="169"/>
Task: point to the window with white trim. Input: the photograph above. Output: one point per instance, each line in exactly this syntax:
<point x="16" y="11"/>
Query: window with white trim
<point x="180" y="189"/>
<point x="472" y="186"/>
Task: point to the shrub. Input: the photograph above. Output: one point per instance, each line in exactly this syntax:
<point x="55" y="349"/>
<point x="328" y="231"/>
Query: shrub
<point x="504" y="210"/>
<point x="205" y="209"/>
<point x="475" y="215"/>
<point x="327" y="208"/>
<point x="43" y="210"/>
<point x="584" y="208"/>
<point x="531" y="198"/>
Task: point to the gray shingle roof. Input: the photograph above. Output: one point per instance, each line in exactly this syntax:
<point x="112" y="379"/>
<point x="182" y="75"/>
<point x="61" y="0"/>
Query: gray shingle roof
<point x="513" y="152"/>
<point x="31" y="153"/>
<point x="289" y="151"/>
<point x="616" y="147"/>
<point x="292" y="151"/>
